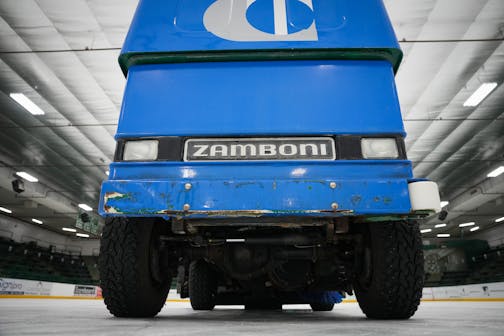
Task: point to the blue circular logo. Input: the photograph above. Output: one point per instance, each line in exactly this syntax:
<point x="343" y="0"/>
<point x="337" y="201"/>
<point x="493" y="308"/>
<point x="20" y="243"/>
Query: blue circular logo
<point x="298" y="16"/>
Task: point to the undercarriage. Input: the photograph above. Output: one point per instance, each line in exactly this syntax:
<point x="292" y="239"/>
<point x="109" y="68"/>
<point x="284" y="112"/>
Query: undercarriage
<point x="262" y="263"/>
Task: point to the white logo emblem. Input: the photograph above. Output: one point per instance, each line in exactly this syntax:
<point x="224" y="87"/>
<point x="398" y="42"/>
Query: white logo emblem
<point x="228" y="20"/>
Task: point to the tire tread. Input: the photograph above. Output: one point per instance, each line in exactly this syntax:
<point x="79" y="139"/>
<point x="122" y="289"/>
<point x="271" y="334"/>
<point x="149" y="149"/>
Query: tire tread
<point x="397" y="286"/>
<point x="122" y="272"/>
<point x="202" y="285"/>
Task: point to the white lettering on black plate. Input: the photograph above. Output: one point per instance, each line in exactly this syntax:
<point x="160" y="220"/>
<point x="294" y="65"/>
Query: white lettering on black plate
<point x="234" y="149"/>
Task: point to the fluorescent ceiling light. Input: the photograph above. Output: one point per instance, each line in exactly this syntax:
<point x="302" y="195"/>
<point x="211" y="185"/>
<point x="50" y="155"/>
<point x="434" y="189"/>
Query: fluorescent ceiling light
<point x="474" y="228"/>
<point x="426" y="230"/>
<point x="5" y="210"/>
<point x="481" y="93"/>
<point x="443" y="235"/>
<point x="466" y="224"/>
<point x="83" y="235"/>
<point x="24" y="101"/>
<point x="69" y="230"/>
<point x="498" y="220"/>
<point x="444" y="203"/>
<point x="85" y="207"/>
<point x="27" y="177"/>
<point x="496" y="172"/>
<point x="440" y="225"/>
<point x="38" y="221"/>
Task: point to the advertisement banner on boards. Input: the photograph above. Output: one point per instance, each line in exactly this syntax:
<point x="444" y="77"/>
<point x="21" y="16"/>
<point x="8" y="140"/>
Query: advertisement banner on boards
<point x="24" y="287"/>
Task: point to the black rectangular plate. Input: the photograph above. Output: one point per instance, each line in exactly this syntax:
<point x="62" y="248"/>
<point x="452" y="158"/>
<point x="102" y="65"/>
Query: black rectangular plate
<point x="255" y="149"/>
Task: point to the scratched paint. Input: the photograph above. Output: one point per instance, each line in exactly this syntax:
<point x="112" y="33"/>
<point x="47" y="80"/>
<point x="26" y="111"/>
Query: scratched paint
<point x="111" y="210"/>
<point x="249" y="198"/>
<point x="112" y="195"/>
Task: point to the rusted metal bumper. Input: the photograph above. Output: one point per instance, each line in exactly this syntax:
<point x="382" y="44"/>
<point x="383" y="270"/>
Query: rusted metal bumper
<point x="254" y="198"/>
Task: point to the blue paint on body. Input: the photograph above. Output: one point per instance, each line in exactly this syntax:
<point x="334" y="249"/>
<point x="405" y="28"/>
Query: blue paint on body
<point x="177" y="26"/>
<point x="280" y="188"/>
<point x="267" y="98"/>
<point x="260" y="98"/>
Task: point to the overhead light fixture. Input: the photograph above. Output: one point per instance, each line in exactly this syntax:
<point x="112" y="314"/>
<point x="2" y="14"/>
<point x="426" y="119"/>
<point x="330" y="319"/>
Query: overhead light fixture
<point x="440" y="225"/>
<point x="38" y="221"/>
<point x="27" y="177"/>
<point x="426" y="230"/>
<point x="5" y="210"/>
<point x="474" y="228"/>
<point x="83" y="235"/>
<point x="85" y="207"/>
<point x="467" y="224"/>
<point x="496" y="172"/>
<point x="498" y="220"/>
<point x="69" y="229"/>
<point x="443" y="235"/>
<point x="481" y="93"/>
<point x="24" y="101"/>
<point x="444" y="203"/>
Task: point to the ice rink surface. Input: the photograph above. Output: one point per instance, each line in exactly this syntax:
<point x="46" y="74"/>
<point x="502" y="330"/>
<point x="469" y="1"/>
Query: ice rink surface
<point x="90" y="317"/>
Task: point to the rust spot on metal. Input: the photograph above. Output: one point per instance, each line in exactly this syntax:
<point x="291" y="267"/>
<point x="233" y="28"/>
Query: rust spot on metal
<point x="218" y="213"/>
<point x="111" y="209"/>
<point x="247" y="213"/>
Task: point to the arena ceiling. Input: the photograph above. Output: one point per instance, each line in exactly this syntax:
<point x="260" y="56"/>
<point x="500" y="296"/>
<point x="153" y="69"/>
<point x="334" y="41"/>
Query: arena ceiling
<point x="63" y="56"/>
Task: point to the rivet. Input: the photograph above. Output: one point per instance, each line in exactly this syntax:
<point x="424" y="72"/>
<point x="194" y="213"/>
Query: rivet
<point x="187" y="207"/>
<point x="334" y="206"/>
<point x="188" y="186"/>
<point x="332" y="185"/>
